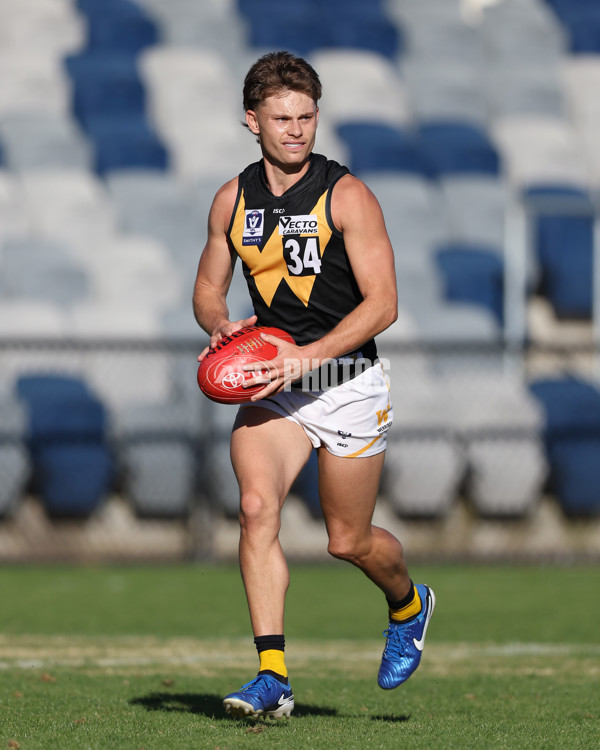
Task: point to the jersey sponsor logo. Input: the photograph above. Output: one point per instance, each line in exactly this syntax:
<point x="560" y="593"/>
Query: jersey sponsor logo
<point x="307" y="224"/>
<point x="253" y="226"/>
<point x="344" y="435"/>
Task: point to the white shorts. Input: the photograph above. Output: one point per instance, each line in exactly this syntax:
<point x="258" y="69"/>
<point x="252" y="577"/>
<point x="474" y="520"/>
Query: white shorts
<point x="350" y="420"/>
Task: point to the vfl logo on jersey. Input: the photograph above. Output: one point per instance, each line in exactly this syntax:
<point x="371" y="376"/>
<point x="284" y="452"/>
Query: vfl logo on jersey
<point x="307" y="224"/>
<point x="253" y="226"/>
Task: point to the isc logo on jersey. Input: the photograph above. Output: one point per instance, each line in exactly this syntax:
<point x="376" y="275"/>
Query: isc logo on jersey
<point x="253" y="226"/>
<point x="307" y="224"/>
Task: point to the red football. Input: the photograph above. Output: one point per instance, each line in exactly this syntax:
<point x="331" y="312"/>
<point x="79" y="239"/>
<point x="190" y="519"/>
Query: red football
<point x="220" y="374"/>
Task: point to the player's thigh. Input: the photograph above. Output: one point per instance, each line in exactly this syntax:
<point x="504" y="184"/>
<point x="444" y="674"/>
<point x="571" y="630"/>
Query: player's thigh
<point x="267" y="451"/>
<point x="348" y="488"/>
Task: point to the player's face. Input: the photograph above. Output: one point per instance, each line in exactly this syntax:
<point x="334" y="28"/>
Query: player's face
<point x="286" y="126"/>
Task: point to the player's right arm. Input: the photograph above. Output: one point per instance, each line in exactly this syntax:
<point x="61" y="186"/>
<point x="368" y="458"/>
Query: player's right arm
<point x="215" y="270"/>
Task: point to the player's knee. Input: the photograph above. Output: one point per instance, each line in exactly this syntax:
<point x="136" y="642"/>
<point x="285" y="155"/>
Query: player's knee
<point x="257" y="511"/>
<point x="347" y="547"/>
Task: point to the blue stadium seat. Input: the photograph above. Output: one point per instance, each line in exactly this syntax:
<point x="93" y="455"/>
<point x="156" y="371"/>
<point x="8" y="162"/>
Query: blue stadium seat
<point x="581" y="19"/>
<point x="375" y="146"/>
<point x="118" y="25"/>
<point x="105" y="85"/>
<point x="474" y="275"/>
<point x="73" y="479"/>
<point x="576" y="476"/>
<point x="572" y="440"/>
<point x="571" y="406"/>
<point x="564" y="248"/>
<point x="310" y="25"/>
<point x="289" y="29"/>
<point x="72" y="465"/>
<point x="60" y="408"/>
<point x="457" y="148"/>
<point x="365" y="31"/>
<point x="126" y="143"/>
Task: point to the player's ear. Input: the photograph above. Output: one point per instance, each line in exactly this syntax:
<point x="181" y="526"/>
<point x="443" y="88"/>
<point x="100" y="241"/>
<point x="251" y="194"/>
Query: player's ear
<point x="252" y="121"/>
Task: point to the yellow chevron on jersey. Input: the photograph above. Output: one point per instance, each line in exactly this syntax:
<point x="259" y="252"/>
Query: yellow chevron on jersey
<point x="268" y="266"/>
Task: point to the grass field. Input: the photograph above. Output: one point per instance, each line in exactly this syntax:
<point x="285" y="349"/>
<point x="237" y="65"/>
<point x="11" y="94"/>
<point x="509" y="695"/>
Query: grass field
<point x="141" y="657"/>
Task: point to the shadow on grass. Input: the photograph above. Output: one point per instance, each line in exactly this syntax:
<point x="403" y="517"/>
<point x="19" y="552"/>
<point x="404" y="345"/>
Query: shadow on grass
<point x="210" y="705"/>
<point x="391" y="718"/>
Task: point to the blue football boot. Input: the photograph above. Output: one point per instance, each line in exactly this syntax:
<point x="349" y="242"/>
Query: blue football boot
<point x="262" y="696"/>
<point x="404" y="643"/>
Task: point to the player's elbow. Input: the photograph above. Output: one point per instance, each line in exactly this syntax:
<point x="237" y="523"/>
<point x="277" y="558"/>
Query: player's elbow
<point x="389" y="313"/>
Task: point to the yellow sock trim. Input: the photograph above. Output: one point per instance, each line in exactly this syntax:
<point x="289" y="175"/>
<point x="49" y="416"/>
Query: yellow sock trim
<point x="411" y="610"/>
<point x="273" y="660"/>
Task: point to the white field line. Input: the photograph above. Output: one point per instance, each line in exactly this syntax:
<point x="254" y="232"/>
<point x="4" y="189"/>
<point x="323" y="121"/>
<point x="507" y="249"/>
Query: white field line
<point x="36" y="652"/>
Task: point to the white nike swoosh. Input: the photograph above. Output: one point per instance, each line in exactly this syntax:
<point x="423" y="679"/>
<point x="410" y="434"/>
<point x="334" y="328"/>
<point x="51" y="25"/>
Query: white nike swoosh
<point x="283" y="701"/>
<point x="419" y="644"/>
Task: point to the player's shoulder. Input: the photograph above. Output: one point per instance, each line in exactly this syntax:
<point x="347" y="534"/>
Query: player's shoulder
<point x="350" y="189"/>
<point x="225" y="197"/>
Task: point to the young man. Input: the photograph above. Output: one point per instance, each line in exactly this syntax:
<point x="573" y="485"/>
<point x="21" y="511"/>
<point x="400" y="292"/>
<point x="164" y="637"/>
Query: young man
<point x="319" y="264"/>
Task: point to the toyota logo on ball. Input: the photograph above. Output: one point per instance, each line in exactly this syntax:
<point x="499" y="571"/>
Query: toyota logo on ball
<point x="233" y="380"/>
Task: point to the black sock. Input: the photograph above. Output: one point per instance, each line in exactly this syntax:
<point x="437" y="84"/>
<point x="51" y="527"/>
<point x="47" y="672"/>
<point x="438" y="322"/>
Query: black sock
<point x="403" y="602"/>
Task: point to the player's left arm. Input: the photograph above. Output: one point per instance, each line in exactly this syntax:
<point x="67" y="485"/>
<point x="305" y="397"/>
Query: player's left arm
<point x="355" y="212"/>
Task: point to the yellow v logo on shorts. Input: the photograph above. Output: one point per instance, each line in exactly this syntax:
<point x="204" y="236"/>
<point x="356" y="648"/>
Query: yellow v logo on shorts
<point x="269" y="267"/>
<point x="382" y="415"/>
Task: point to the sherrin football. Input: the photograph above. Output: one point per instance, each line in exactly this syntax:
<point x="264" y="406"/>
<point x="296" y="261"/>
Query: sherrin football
<point x="221" y="375"/>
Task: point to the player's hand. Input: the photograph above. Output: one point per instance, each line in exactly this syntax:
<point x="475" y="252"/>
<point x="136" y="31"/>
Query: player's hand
<point x="226" y="329"/>
<point x="283" y="369"/>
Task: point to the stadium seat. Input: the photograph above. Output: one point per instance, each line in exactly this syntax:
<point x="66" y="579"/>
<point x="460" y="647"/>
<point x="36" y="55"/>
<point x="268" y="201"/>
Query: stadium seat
<point x="33" y="81"/>
<point x="473" y="274"/>
<point x="539" y="149"/>
<point x="61" y="409"/>
<point x="425" y="462"/>
<point x="581" y="20"/>
<point x="379" y="147"/>
<point x="159" y="477"/>
<point x="118" y="26"/>
<point x="39" y="140"/>
<point x="575" y="476"/>
<point x="523" y="32"/>
<point x="66" y="436"/>
<point x="73" y="479"/>
<point x="475" y="208"/>
<point x="515" y="89"/>
<point x="154" y="203"/>
<point x="572" y="438"/>
<point x="564" y="246"/>
<point x="500" y="424"/>
<point x="14" y="217"/>
<point x="413" y="211"/>
<point x="15" y="465"/>
<point x="41" y="270"/>
<point x="438" y="35"/>
<point x="361" y="85"/>
<point x="126" y="143"/>
<point x="105" y="86"/>
<point x="442" y="92"/>
<point x="455" y="147"/>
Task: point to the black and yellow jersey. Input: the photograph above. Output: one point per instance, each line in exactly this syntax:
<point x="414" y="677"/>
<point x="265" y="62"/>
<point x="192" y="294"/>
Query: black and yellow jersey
<point x="294" y="259"/>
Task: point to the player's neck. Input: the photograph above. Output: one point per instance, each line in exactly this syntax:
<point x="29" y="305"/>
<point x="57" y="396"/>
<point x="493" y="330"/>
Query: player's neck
<point x="281" y="177"/>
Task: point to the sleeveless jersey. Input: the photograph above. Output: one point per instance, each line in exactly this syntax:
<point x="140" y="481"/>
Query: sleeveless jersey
<point x="294" y="259"/>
